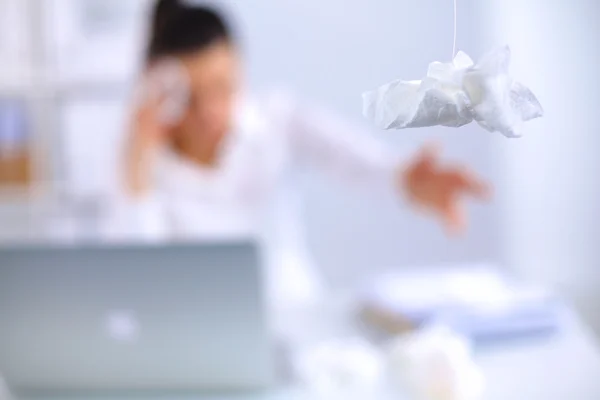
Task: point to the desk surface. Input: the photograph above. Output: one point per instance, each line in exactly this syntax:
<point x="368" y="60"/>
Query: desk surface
<point x="565" y="366"/>
<point x="561" y="367"/>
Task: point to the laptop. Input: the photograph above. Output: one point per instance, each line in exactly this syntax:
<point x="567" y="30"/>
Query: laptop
<point x="133" y="318"/>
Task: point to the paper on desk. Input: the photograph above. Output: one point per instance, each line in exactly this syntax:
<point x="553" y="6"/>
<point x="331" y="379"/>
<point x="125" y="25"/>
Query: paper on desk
<point x="341" y="369"/>
<point x="479" y="302"/>
<point x="436" y="364"/>
<point x="427" y="289"/>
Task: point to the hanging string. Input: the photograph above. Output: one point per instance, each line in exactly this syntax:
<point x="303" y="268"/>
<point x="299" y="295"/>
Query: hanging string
<point x="455" y="29"/>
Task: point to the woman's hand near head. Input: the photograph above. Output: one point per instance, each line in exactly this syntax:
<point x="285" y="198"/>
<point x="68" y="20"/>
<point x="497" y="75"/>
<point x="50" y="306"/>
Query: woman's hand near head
<point x="161" y="104"/>
<point x="147" y="134"/>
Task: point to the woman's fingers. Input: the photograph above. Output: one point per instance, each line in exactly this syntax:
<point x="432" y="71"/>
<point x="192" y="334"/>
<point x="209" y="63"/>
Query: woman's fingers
<point x="146" y="136"/>
<point x="454" y="217"/>
<point x="149" y="126"/>
<point x="463" y="181"/>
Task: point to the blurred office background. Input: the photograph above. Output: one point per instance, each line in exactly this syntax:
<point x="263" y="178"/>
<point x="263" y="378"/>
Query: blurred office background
<point x="67" y="68"/>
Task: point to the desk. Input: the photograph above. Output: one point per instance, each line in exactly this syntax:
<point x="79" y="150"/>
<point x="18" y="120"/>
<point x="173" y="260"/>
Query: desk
<point x="561" y="367"/>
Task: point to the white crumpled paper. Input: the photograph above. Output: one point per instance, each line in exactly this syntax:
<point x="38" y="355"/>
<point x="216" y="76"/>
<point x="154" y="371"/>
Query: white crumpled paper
<point x="436" y="364"/>
<point x="430" y="364"/>
<point x="455" y="94"/>
<point x="341" y="369"/>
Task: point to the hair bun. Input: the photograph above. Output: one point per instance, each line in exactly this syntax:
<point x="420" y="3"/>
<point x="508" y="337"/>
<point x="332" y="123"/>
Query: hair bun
<point x="165" y="11"/>
<point x="184" y="26"/>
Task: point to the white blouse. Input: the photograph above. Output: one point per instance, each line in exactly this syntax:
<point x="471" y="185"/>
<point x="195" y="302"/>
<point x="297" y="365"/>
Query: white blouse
<point x="251" y="193"/>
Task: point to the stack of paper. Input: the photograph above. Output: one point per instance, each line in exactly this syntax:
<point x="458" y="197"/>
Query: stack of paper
<point x="478" y="302"/>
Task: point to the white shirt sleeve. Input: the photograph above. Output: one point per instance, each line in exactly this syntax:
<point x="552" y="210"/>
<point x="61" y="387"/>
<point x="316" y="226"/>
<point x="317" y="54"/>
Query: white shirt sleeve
<point x="136" y="219"/>
<point x="321" y="138"/>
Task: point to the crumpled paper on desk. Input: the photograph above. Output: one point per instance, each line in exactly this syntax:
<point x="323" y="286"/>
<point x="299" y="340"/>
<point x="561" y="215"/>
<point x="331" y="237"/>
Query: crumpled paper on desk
<point x="430" y="364"/>
<point x="436" y="364"/>
<point x="342" y="369"/>
<point x="455" y="94"/>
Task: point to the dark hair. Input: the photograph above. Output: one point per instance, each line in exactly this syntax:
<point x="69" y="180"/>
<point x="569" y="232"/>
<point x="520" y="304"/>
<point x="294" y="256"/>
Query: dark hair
<point x="180" y="28"/>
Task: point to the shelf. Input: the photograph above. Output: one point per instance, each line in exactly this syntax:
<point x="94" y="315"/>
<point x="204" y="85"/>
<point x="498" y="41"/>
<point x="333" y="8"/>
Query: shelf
<point x="41" y="87"/>
<point x="26" y="194"/>
<point x="55" y="72"/>
<point x="25" y="85"/>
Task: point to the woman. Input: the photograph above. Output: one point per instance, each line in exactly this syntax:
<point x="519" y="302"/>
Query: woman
<point x="205" y="160"/>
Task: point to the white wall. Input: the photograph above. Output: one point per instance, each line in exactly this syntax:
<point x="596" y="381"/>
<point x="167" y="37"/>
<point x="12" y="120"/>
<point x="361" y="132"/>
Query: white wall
<point x="551" y="184"/>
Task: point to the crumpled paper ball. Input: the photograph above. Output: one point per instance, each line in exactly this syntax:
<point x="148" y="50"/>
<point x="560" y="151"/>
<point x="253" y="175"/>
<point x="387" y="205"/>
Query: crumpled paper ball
<point x="455" y="94"/>
<point x="341" y="369"/>
<point x="429" y="364"/>
<point x="436" y="364"/>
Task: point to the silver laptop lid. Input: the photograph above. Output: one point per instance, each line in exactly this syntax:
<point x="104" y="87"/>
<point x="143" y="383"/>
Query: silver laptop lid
<point x="172" y="317"/>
